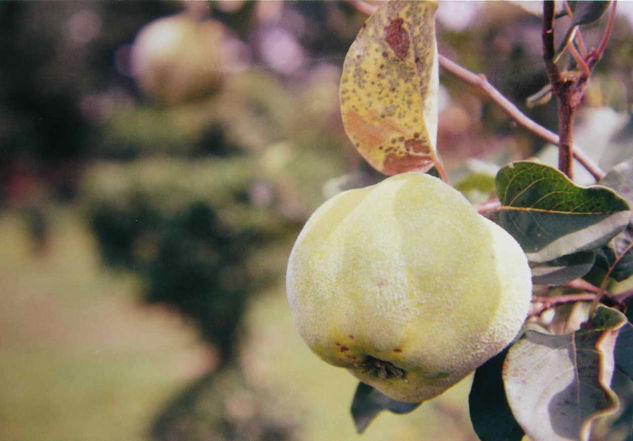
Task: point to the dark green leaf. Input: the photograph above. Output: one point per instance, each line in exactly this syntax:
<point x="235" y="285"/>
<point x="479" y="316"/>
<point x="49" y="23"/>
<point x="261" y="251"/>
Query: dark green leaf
<point x="490" y="414"/>
<point x="569" y="36"/>
<point x="587" y="12"/>
<point x="539" y="98"/>
<point x="623" y="424"/>
<point x="620" y="179"/>
<point x="368" y="403"/>
<point x="624" y="350"/>
<point x="477" y="186"/>
<point x="550" y="216"/>
<point x="616" y="258"/>
<point x="557" y="385"/>
<point x="562" y="270"/>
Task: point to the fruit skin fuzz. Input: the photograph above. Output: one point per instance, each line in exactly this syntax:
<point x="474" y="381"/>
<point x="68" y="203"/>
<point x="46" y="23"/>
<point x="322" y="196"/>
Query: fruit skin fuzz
<point x="404" y="284"/>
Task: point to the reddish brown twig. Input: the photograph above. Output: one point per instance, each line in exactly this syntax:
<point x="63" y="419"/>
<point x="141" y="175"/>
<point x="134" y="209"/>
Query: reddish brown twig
<point x="552" y="301"/>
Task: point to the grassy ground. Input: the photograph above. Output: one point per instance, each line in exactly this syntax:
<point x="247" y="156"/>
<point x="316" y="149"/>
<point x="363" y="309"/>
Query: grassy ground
<point x="79" y="358"/>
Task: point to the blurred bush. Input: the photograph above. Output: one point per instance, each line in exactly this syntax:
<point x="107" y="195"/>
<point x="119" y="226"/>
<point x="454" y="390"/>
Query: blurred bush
<point x="197" y="195"/>
<point x="188" y="228"/>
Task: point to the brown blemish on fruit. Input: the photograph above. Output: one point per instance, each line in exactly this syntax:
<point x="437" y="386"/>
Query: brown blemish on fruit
<point x="382" y="369"/>
<point x="382" y="283"/>
<point x="397" y="38"/>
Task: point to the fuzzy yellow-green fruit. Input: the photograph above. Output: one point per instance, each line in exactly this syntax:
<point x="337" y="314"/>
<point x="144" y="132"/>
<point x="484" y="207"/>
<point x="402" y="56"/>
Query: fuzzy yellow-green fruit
<point x="407" y="286"/>
<point x="179" y="57"/>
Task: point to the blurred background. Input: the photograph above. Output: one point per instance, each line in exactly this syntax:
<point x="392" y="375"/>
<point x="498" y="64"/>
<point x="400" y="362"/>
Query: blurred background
<point x="157" y="160"/>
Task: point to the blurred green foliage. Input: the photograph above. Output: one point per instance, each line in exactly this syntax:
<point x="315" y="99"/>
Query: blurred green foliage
<point x="188" y="228"/>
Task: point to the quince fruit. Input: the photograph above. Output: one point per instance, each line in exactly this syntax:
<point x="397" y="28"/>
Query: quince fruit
<point x="179" y="57"/>
<point x="407" y="286"/>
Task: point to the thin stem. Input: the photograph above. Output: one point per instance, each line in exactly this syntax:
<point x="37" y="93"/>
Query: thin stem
<point x="607" y="32"/>
<point x="562" y="89"/>
<point x="441" y="170"/>
<point x="566" y="116"/>
<point x="551" y="301"/>
<point x="578" y="58"/>
<point x="582" y="46"/>
<point x="547" y="37"/>
<point x="583" y="285"/>
<point x="565" y="298"/>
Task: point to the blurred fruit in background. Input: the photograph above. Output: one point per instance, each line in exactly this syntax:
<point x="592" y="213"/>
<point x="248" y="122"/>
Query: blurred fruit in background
<point x="179" y="57"/>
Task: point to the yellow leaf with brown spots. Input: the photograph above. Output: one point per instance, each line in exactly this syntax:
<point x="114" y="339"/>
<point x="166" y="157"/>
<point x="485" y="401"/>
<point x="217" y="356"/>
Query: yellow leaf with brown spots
<point x="389" y="88"/>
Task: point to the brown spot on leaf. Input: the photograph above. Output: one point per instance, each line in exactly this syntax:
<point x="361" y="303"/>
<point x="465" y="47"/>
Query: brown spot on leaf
<point x="382" y="283"/>
<point x="351" y="336"/>
<point x="397" y="350"/>
<point x="395" y="164"/>
<point x="416" y="145"/>
<point x="370" y="135"/>
<point x="344" y="349"/>
<point x="397" y="38"/>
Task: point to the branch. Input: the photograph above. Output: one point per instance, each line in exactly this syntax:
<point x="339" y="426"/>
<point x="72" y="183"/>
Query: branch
<point x="551" y="301"/>
<point x="515" y="113"/>
<point x="480" y="81"/>
<point x="564" y="91"/>
<point x="565" y="298"/>
<point x="607" y="33"/>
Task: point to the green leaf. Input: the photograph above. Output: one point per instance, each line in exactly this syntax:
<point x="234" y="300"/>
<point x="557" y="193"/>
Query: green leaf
<point x="616" y="258"/>
<point x="490" y="414"/>
<point x="624" y="350"/>
<point x="557" y="385"/>
<point x="540" y="98"/>
<point x="368" y="403"/>
<point x="550" y="216"/>
<point x="620" y="179"/>
<point x="623" y="424"/>
<point x="389" y="88"/>
<point x="477" y="186"/>
<point x="585" y="12"/>
<point x="562" y="270"/>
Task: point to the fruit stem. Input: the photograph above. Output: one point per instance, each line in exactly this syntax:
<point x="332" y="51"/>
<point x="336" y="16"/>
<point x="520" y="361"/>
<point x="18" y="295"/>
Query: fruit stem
<point x="441" y="171"/>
